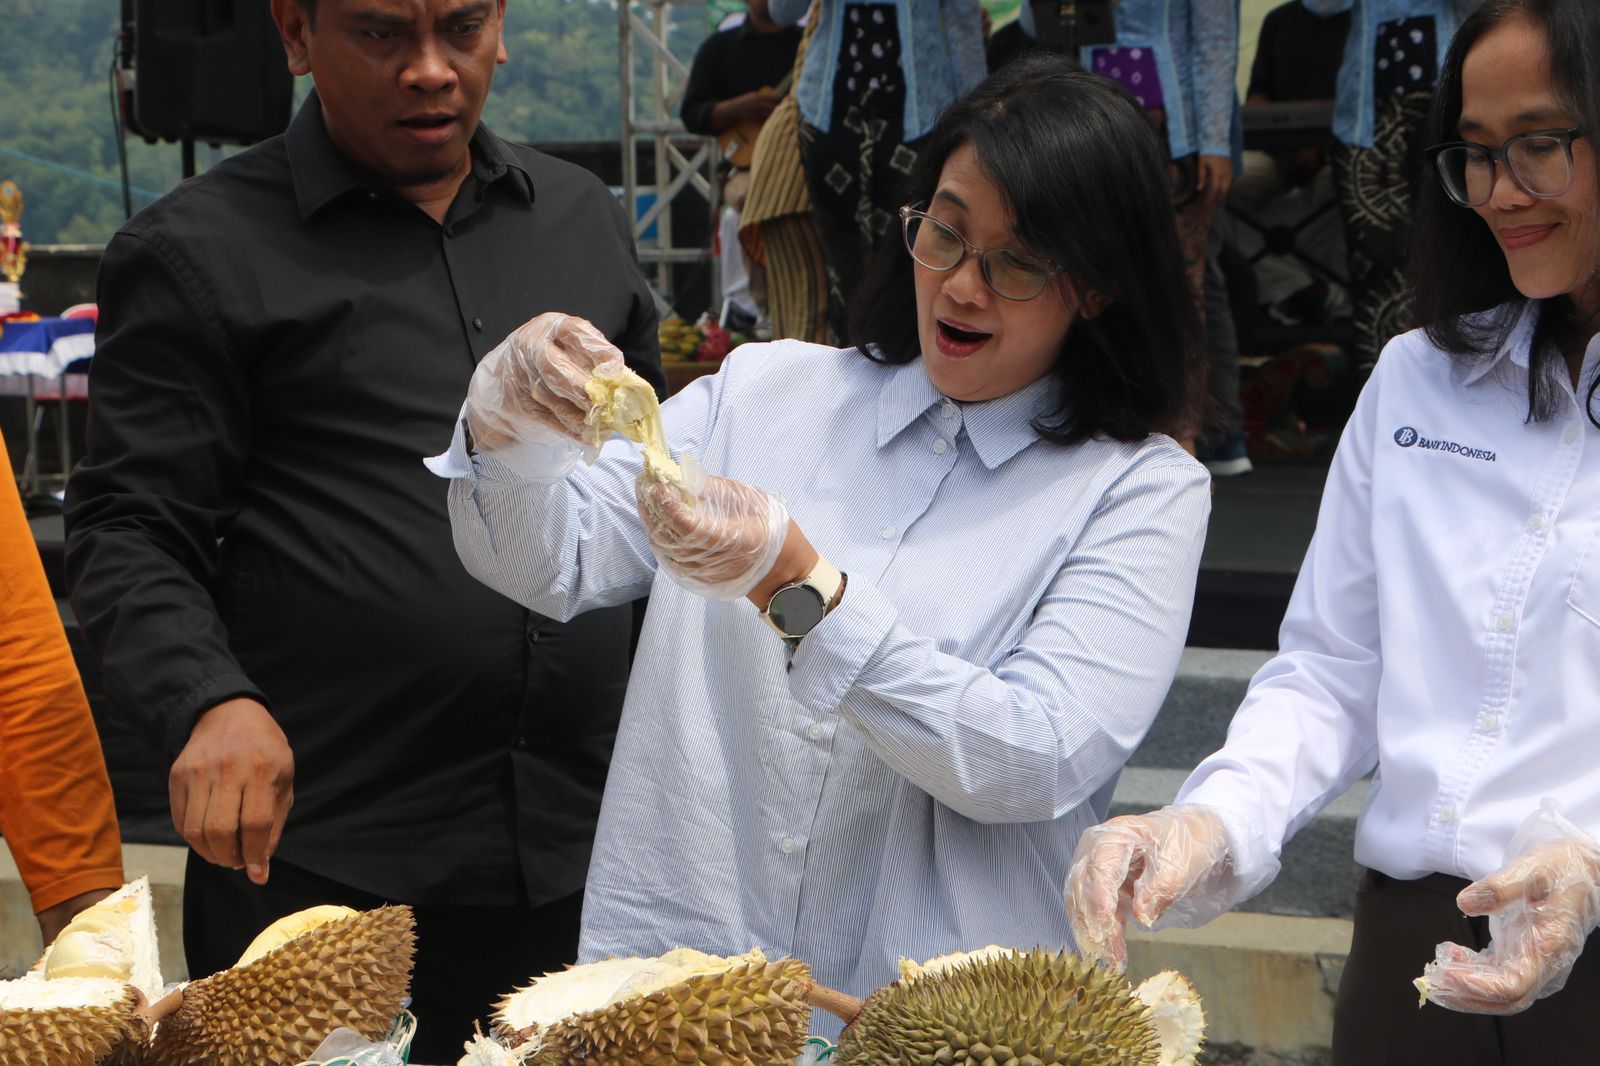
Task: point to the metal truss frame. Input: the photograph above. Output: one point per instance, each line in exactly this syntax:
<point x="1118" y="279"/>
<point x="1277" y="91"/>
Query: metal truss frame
<point x="649" y="116"/>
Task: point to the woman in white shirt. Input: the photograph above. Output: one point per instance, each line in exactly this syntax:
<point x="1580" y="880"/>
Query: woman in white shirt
<point x="990" y="595"/>
<point x="1445" y="630"/>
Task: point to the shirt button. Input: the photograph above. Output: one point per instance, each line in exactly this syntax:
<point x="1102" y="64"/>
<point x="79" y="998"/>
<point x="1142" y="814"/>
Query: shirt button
<point x="521" y="744"/>
<point x="1571" y="435"/>
<point x="1536" y="522"/>
<point x="815" y="732"/>
<point x="1487" y="723"/>
<point x="887" y="533"/>
<point x="1503" y="622"/>
<point x="941" y="446"/>
<point x="1447" y="813"/>
<point x="948" y="410"/>
<point x="786" y="845"/>
<point x="372" y="197"/>
<point x="477" y="324"/>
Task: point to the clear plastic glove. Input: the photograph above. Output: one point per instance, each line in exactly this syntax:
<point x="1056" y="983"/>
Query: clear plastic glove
<point x="1167" y="862"/>
<point x="720" y="544"/>
<point x="1542" y="906"/>
<point x="529" y="394"/>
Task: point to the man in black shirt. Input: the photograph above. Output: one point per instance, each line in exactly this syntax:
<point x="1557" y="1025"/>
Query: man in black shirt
<point x="263" y="564"/>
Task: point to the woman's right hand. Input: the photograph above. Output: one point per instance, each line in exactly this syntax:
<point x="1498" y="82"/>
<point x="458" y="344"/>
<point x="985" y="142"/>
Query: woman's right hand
<point x="532" y="387"/>
<point x="1144" y="865"/>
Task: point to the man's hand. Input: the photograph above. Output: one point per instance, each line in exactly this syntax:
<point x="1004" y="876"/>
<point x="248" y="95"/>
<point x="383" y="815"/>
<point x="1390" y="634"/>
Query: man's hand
<point x="54" y="919"/>
<point x="753" y="106"/>
<point x="232" y="786"/>
<point x="1213" y="178"/>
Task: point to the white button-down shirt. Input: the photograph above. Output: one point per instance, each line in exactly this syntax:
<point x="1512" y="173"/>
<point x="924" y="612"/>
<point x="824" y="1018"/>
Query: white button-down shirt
<point x="1445" y="628"/>
<point x="916" y="779"/>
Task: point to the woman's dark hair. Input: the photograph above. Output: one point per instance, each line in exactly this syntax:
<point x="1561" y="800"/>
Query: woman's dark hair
<point x="1085" y="177"/>
<point x="1457" y="268"/>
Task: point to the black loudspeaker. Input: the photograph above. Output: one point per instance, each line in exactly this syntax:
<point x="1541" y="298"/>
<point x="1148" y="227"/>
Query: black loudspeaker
<point x="1067" y="25"/>
<point x="204" y="70"/>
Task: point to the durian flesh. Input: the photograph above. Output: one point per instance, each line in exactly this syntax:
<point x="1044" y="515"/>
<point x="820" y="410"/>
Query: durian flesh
<point x="623" y="402"/>
<point x="79" y="1005"/>
<point x="1043" y="1007"/>
<point x="287" y="928"/>
<point x="684" y="1006"/>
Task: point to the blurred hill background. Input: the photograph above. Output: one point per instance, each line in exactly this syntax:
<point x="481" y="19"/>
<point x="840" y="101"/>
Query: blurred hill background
<point x="58" y="134"/>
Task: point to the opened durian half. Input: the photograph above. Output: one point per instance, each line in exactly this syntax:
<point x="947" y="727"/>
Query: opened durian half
<point x="682" y="1007"/>
<point x="91" y="997"/>
<point x="1000" y="1005"/>
<point x="303" y="977"/>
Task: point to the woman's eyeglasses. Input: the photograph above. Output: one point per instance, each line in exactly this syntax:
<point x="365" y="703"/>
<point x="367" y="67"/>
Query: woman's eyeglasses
<point x="1540" y="162"/>
<point x="1010" y="273"/>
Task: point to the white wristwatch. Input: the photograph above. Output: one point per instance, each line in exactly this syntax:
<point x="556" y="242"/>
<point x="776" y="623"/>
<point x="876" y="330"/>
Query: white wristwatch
<point x="796" y="608"/>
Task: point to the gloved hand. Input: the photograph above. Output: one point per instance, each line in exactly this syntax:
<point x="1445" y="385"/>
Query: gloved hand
<point x="1542" y="906"/>
<point x="720" y="544"/>
<point x="531" y="387"/>
<point x="1148" y="865"/>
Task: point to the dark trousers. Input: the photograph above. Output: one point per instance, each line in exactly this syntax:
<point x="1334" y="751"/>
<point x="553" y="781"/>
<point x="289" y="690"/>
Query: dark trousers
<point x="1376" y="1021"/>
<point x="467" y="959"/>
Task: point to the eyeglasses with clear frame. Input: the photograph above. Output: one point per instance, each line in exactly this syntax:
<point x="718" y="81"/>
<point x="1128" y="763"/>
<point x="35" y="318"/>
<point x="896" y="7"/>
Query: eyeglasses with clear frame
<point x="1010" y="273"/>
<point x="1539" y="161"/>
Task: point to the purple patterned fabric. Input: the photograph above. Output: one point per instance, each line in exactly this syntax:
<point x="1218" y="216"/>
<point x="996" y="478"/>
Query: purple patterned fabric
<point x="1132" y="68"/>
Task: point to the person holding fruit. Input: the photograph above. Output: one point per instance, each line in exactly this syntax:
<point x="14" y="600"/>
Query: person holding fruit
<point x="882" y="733"/>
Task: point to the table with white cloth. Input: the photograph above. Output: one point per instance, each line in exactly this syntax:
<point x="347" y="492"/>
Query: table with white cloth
<point x="36" y="357"/>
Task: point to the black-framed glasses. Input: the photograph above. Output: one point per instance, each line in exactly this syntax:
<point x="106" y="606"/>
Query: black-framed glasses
<point x="1010" y="273"/>
<point x="1539" y="161"/>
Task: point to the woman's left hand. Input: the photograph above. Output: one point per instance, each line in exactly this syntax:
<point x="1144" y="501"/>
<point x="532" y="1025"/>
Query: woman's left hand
<point x="1542" y="906"/>
<point x="1213" y="178"/>
<point x="723" y="543"/>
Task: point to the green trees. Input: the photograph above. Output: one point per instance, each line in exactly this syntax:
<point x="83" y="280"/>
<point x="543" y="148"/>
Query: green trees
<point x="57" y="135"/>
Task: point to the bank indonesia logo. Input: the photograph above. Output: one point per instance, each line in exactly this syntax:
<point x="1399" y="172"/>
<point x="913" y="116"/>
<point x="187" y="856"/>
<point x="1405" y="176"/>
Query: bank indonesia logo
<point x="1405" y="436"/>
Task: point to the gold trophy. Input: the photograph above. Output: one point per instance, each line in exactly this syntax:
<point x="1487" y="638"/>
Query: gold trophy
<point x="13" y="249"/>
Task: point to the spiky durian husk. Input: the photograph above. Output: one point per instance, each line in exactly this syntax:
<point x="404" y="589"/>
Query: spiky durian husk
<point x="277" y="1009"/>
<point x="73" y="1036"/>
<point x="1039" y="1007"/>
<point x="753" y="1014"/>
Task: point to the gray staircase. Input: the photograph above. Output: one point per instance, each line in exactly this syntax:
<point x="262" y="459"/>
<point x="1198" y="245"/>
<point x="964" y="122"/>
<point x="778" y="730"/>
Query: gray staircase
<point x="1319" y="873"/>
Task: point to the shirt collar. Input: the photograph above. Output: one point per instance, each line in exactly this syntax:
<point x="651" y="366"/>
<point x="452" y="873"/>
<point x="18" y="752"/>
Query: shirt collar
<point x="322" y="174"/>
<point x="998" y="429"/>
<point x="1517" y="346"/>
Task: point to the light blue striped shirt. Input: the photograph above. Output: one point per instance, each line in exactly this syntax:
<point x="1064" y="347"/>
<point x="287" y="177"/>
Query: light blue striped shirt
<point x="915" y="780"/>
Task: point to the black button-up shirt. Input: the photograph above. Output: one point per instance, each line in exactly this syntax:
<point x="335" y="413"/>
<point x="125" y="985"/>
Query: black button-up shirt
<point x="280" y="343"/>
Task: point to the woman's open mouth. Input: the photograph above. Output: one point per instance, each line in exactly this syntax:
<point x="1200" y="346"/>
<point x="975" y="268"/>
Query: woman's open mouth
<point x="958" y="340"/>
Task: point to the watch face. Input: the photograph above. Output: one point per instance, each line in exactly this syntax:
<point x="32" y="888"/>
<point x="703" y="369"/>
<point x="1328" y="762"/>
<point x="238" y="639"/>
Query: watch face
<point x="796" y="610"/>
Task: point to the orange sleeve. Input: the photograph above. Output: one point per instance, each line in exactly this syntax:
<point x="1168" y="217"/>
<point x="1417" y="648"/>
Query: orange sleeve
<point x="56" y="810"/>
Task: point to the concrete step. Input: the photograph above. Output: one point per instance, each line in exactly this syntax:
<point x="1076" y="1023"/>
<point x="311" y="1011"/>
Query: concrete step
<point x="1267" y="983"/>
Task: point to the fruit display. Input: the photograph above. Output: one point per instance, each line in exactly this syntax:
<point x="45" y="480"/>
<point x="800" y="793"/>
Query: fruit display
<point x="303" y="977"/>
<point x="90" y="998"/>
<point x="702" y="342"/>
<point x="681" y="1007"/>
<point x="999" y="1005"/>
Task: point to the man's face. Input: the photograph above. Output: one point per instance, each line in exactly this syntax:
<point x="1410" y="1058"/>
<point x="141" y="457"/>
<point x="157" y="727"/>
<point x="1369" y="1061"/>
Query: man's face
<point x="402" y="82"/>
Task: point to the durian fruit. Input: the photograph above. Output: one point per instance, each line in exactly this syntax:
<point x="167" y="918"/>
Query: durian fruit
<point x="682" y="1007"/>
<point x="351" y="971"/>
<point x="1175" y="1012"/>
<point x="999" y="1005"/>
<point x="90" y="998"/>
